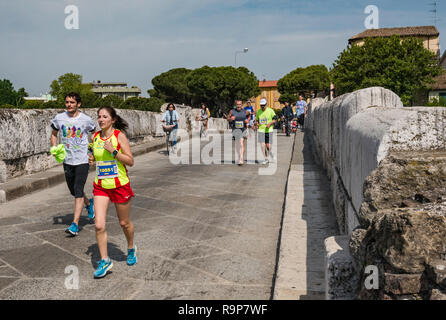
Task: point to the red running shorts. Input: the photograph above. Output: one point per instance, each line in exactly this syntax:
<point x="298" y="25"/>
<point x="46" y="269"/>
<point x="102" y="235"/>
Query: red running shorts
<point x="121" y="194"/>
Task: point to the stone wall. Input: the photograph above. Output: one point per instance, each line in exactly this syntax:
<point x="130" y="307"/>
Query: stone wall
<point x="25" y="135"/>
<point x="347" y="162"/>
<point x="387" y="166"/>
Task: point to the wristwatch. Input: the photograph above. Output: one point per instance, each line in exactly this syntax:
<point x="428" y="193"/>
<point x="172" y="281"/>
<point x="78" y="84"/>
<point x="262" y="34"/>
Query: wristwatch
<point x="115" y="153"/>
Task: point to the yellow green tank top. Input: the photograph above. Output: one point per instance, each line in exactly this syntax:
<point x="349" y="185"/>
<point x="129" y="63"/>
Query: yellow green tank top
<point x="110" y="173"/>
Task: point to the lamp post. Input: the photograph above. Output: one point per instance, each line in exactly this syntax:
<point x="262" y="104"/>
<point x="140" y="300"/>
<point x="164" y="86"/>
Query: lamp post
<point x="244" y="51"/>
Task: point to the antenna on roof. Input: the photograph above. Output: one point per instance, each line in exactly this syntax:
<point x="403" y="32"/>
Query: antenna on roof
<point x="434" y="11"/>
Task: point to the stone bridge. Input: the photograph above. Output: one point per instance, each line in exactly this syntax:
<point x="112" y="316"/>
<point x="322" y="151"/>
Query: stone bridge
<point x="360" y="188"/>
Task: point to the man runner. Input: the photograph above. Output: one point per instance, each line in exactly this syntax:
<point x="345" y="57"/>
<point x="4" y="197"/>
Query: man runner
<point x="265" y="119"/>
<point x="240" y="119"/>
<point x="74" y="126"/>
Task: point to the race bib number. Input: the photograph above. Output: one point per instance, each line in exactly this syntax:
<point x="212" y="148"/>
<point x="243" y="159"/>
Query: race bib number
<point x="264" y="121"/>
<point x="239" y="125"/>
<point x="107" y="169"/>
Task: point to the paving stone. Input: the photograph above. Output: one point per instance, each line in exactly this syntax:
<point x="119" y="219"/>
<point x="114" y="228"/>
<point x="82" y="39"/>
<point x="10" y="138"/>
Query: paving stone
<point x="6" y="271"/>
<point x="54" y="289"/>
<point x="157" y="290"/>
<point x="5" y="282"/>
<point x="29" y="261"/>
<point x="12" y="221"/>
<point x="11" y="237"/>
<point x="158" y="240"/>
<point x="189" y="253"/>
<point x="239" y="269"/>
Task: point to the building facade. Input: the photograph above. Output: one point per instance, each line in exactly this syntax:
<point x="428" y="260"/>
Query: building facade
<point x="269" y="92"/>
<point x="43" y="97"/>
<point x="428" y="34"/>
<point x="103" y="89"/>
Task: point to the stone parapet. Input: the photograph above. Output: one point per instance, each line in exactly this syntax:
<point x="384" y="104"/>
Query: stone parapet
<point x="387" y="169"/>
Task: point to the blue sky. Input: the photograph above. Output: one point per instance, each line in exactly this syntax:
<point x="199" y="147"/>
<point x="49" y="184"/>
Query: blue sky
<point x="135" y="40"/>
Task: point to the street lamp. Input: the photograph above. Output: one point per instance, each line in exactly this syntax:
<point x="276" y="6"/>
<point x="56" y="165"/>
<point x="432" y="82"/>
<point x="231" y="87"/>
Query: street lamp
<point x="244" y="51"/>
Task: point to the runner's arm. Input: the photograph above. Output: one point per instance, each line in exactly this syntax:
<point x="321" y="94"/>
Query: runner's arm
<point x="229" y="116"/>
<point x="248" y="116"/>
<point x="53" y="138"/>
<point x="126" y="157"/>
<point x="272" y="122"/>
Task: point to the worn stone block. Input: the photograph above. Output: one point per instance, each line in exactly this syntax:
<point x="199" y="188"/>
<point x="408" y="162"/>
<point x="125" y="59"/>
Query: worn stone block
<point x="436" y="271"/>
<point x="437" y="295"/>
<point x="340" y="276"/>
<point x="402" y="284"/>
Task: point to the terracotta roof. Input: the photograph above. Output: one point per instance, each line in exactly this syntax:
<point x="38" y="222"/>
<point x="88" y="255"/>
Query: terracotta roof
<point x="404" y="32"/>
<point x="267" y="83"/>
<point x="440" y="82"/>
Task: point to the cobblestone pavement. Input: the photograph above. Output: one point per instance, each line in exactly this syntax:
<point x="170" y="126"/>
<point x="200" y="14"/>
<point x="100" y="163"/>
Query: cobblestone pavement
<point x="202" y="231"/>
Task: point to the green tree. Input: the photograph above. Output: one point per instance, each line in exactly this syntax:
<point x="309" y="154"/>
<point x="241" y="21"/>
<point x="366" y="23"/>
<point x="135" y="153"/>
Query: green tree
<point x="54" y="104"/>
<point x="218" y="87"/>
<point x="9" y="96"/>
<point x="306" y="81"/>
<point x="110" y="100"/>
<point x="401" y="65"/>
<point x="153" y="104"/>
<point x="133" y="103"/>
<point x="171" y="86"/>
<point x="33" y="104"/>
<point x="73" y="82"/>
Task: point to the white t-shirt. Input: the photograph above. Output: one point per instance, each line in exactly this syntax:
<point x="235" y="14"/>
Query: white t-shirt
<point x="74" y="136"/>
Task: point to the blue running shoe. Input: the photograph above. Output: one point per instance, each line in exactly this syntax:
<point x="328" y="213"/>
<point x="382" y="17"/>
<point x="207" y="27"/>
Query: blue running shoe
<point x="131" y="256"/>
<point x="90" y="209"/>
<point x="103" y="267"/>
<point x="73" y="229"/>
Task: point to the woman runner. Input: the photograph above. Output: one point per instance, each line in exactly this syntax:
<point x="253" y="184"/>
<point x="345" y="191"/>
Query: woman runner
<point x="111" y="151"/>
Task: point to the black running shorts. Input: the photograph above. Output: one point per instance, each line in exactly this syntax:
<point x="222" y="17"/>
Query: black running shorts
<point x="265" y="137"/>
<point x="76" y="176"/>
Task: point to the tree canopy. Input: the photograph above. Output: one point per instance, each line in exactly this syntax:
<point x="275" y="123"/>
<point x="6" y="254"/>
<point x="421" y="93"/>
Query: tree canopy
<point x="171" y="86"/>
<point x="73" y="82"/>
<point x="311" y="79"/>
<point x="218" y="87"/>
<point x="9" y="96"/>
<point x="401" y="65"/>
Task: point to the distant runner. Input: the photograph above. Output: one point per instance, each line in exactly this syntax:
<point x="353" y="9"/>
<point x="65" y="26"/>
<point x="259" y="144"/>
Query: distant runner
<point x="204" y="116"/>
<point x="240" y="119"/>
<point x="265" y="119"/>
<point x="250" y="108"/>
<point x="74" y="127"/>
<point x="170" y="123"/>
<point x="301" y="111"/>
<point x="287" y="117"/>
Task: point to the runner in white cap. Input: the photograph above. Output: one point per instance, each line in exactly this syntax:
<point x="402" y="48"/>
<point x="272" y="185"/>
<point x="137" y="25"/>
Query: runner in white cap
<point x="265" y="120"/>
